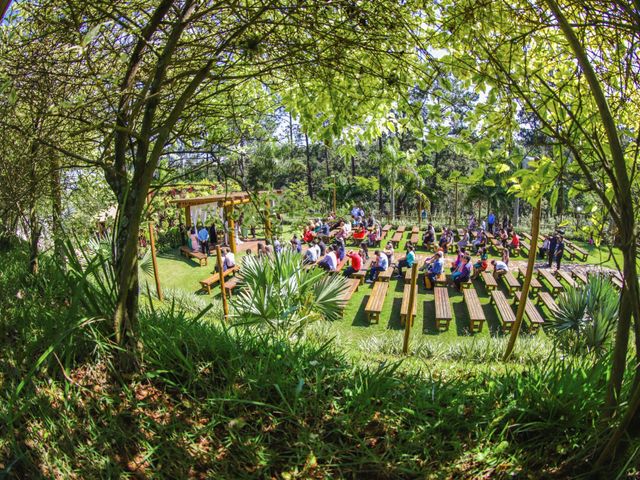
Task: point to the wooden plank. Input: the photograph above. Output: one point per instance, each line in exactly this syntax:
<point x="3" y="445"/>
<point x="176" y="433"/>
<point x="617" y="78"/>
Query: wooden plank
<point x="415" y="238"/>
<point x="547" y="300"/>
<point x="386" y="275"/>
<point x="345" y="296"/>
<point x="404" y="308"/>
<point x="489" y="281"/>
<point x="201" y="257"/>
<point x="535" y="283"/>
<point x="566" y="276"/>
<point x="532" y="313"/>
<point x="476" y="314"/>
<point x="580" y="276"/>
<point x="443" y="308"/>
<point x="401" y="229"/>
<point x="504" y="309"/>
<point x="553" y="282"/>
<point x="397" y="237"/>
<point x="511" y="282"/>
<point x="415" y="229"/>
<point x="376" y="301"/>
<point x="207" y="283"/>
<point x="526" y="235"/>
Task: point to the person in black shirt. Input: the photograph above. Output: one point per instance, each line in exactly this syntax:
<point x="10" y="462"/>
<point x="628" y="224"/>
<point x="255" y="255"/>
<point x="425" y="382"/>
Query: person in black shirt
<point x="213" y="234"/>
<point x="559" y="251"/>
<point x="551" y="252"/>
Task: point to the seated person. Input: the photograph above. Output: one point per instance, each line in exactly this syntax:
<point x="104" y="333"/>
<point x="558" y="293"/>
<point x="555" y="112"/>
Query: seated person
<point x="515" y="241"/>
<point x="364" y="251"/>
<point x="324" y="228"/>
<point x="277" y="246"/>
<point x="465" y="240"/>
<point x="229" y="260"/>
<point x="356" y="263"/>
<point x="295" y="244"/>
<point x="321" y="246"/>
<point x="339" y="249"/>
<point x="408" y="260"/>
<point x="342" y="230"/>
<point x="480" y="241"/>
<point x="360" y="233"/>
<point x="330" y="261"/>
<point x="456" y="263"/>
<point x="312" y="254"/>
<point x="307" y="235"/>
<point x="505" y="256"/>
<point x="374" y="236"/>
<point x="388" y="251"/>
<point x="481" y="265"/>
<point x="429" y="236"/>
<point x="503" y="237"/>
<point x="436" y="268"/>
<point x="463" y="274"/>
<point x="499" y="268"/>
<point x="380" y="264"/>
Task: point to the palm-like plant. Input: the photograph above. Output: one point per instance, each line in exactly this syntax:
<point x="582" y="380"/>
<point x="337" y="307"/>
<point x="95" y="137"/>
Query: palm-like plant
<point x="279" y="293"/>
<point x="586" y="316"/>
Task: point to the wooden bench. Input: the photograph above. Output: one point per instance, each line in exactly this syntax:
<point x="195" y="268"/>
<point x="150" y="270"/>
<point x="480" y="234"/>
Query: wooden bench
<point x="497" y="246"/>
<point x="415" y="230"/>
<point x="489" y="281"/>
<point x="530" y="310"/>
<point x="566" y="276"/>
<point x="362" y="273"/>
<point x="580" y="276"/>
<point x="386" y="275"/>
<point x="404" y="308"/>
<point x="525" y="247"/>
<point x="385" y="231"/>
<point x="569" y="251"/>
<point x="407" y="273"/>
<point x="341" y="264"/>
<point x="535" y="283"/>
<point x="415" y="238"/>
<point x="582" y="253"/>
<point x="231" y="284"/>
<point x="504" y="310"/>
<point x="526" y="235"/>
<point x="511" y="282"/>
<point x="441" y="279"/>
<point x="397" y="237"/>
<point x="215" y="278"/>
<point x="476" y="314"/>
<point x="345" y="296"/>
<point x="376" y="301"/>
<point x="547" y="300"/>
<point x="556" y="286"/>
<point x="401" y="229"/>
<point x="443" y="308"/>
<point x="201" y="257"/>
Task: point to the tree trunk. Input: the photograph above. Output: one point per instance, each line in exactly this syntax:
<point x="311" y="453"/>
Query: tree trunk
<point x="309" y="176"/>
<point x="380" y="202"/>
<point x="353" y="166"/>
<point x="34" y="238"/>
<point x="56" y="208"/>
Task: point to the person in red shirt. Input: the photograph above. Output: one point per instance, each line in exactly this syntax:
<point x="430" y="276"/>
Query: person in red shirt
<point x="307" y="235"/>
<point x="515" y="241"/>
<point x="356" y="263"/>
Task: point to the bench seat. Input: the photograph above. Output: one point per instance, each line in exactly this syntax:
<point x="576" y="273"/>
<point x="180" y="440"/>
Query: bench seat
<point x="376" y="301"/>
<point x="547" y="300"/>
<point x="555" y="285"/>
<point x="580" y="276"/>
<point x="511" y="282"/>
<point x="535" y="283"/>
<point x="386" y="275"/>
<point x="566" y="276"/>
<point x="415" y="238"/>
<point x="347" y="293"/>
<point x="207" y="283"/>
<point x="489" y="281"/>
<point x="401" y="229"/>
<point x="201" y="257"/>
<point x="396" y="239"/>
<point x="404" y="308"/>
<point x="443" y="308"/>
<point x="530" y="310"/>
<point x="505" y="311"/>
<point x="476" y="313"/>
<point x="362" y="273"/>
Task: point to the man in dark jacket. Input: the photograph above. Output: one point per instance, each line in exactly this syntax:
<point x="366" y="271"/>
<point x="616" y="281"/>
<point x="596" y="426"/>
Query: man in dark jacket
<point x="552" y="249"/>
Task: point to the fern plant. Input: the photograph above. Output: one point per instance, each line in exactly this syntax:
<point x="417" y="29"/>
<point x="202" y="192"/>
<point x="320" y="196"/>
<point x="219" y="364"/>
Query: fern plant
<point x="279" y="293"/>
<point x="586" y="316"/>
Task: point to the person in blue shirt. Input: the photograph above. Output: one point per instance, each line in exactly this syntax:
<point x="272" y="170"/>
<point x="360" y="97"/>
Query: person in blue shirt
<point x="381" y="263"/>
<point x="203" y="236"/>
<point x="491" y="220"/>
<point x="340" y="249"/>
<point x="436" y="268"/>
<point x="407" y="261"/>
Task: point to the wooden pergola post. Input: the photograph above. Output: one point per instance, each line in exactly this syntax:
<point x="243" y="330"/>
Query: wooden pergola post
<point x="187" y="215"/>
<point x="412" y="302"/>
<point x="228" y="213"/>
<point x="225" y="305"/>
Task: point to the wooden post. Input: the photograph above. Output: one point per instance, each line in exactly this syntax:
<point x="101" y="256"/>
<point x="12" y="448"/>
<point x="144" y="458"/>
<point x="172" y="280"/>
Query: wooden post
<point x="533" y="248"/>
<point x="455" y="207"/>
<point x="334" y="196"/>
<point x="187" y="214"/>
<point x="412" y="301"/>
<point x="152" y="240"/>
<point x="225" y="306"/>
<point x="267" y="221"/>
<point x="232" y="228"/>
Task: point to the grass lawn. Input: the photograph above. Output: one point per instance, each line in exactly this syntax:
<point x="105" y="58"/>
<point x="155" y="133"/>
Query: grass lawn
<point x="354" y="329"/>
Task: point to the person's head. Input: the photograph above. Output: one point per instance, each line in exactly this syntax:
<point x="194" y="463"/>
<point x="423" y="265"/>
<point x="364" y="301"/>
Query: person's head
<point x="295" y="237"/>
<point x="493" y="262"/>
<point x="410" y="248"/>
<point x="363" y="246"/>
<point x="260" y="246"/>
<point x="377" y="252"/>
<point x="440" y="254"/>
<point x="249" y="252"/>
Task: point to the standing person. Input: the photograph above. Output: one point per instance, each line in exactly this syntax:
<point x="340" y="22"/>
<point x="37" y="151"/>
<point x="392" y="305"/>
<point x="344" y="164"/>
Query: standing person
<point x="356" y="263"/>
<point x="505" y="222"/>
<point x="195" y="244"/>
<point x="551" y="252"/>
<point x="515" y="241"/>
<point x="559" y="251"/>
<point x="407" y="261"/>
<point x="491" y="220"/>
<point x="203" y="238"/>
<point x="380" y="264"/>
<point x="423" y="214"/>
<point x="545" y="246"/>
<point x="213" y="234"/>
<point x="295" y="244"/>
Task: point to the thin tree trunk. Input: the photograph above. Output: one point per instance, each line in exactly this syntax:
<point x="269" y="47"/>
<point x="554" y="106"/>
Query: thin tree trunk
<point x="56" y="208"/>
<point x="524" y="294"/>
<point x="353" y="166"/>
<point x="380" y="202"/>
<point x="309" y="176"/>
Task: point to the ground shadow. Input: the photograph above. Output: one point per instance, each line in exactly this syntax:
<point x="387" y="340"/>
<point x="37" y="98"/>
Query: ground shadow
<point x="461" y="318"/>
<point x="394" y="319"/>
<point x="360" y="318"/>
<point x="429" y="318"/>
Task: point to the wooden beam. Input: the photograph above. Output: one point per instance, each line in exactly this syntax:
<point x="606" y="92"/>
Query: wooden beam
<point x="187" y="214"/>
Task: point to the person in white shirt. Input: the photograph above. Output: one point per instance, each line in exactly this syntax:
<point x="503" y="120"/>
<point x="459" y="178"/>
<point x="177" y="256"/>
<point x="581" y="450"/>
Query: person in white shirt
<point x="499" y="268"/>
<point x="229" y="260"/>
<point x="312" y="254"/>
<point x="330" y="260"/>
